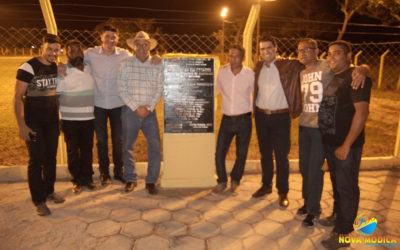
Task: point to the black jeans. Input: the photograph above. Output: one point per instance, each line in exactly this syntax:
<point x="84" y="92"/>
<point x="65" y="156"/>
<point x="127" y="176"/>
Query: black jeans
<point x="231" y="126"/>
<point x="344" y="177"/>
<point x="311" y="159"/>
<point x="42" y="160"/>
<point x="273" y="133"/>
<point x="100" y="126"/>
<point x="78" y="136"/>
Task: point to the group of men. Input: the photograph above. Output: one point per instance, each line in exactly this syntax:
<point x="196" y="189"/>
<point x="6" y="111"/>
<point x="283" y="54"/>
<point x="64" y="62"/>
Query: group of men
<point x="106" y="83"/>
<point x="332" y="100"/>
<point x="109" y="83"/>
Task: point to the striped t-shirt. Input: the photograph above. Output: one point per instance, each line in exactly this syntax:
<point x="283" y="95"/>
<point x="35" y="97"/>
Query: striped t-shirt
<point x="76" y="95"/>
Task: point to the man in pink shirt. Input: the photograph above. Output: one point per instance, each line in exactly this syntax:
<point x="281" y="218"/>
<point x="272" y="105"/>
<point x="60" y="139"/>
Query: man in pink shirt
<point x="236" y="85"/>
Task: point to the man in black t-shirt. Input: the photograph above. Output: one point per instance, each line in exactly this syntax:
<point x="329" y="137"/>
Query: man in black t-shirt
<point x="36" y="110"/>
<point x="341" y="118"/>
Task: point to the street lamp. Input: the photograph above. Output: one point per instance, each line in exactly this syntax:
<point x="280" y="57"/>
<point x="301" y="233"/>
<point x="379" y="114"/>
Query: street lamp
<point x="224" y="13"/>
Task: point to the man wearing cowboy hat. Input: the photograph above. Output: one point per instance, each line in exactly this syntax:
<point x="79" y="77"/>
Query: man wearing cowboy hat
<point x="140" y="86"/>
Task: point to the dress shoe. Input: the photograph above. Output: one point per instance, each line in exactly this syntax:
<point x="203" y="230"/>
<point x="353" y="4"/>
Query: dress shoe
<point x="76" y="188"/>
<point x="151" y="187"/>
<point x="119" y="177"/>
<point x="219" y="188"/>
<point x="105" y="179"/>
<point x="329" y="221"/>
<point x="42" y="209"/>
<point x="91" y="185"/>
<point x="263" y="190"/>
<point x="302" y="211"/>
<point x="310" y="221"/>
<point x="333" y="241"/>
<point x="55" y="198"/>
<point x="283" y="201"/>
<point x="130" y="186"/>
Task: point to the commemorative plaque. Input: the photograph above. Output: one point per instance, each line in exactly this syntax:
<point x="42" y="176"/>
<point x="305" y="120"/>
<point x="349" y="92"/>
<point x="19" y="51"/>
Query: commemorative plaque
<point x="188" y="95"/>
<point x="189" y="110"/>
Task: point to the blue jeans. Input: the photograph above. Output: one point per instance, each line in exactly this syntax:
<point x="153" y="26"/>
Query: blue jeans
<point x="344" y="177"/>
<point x="311" y="158"/>
<point x="100" y="126"/>
<point x="239" y="126"/>
<point x="131" y="124"/>
<point x="42" y="160"/>
<point x="273" y="133"/>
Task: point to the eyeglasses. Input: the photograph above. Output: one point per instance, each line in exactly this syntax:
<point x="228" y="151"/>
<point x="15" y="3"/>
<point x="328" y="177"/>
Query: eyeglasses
<point x="306" y="49"/>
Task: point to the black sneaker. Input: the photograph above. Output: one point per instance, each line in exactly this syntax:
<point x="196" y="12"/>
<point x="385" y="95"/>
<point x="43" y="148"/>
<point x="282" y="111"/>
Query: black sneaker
<point x="42" y="209"/>
<point x="55" y="198"/>
<point x="329" y="221"/>
<point x="302" y="211"/>
<point x="105" y="179"/>
<point x="333" y="241"/>
<point x="76" y="188"/>
<point x="151" y="187"/>
<point x="310" y="221"/>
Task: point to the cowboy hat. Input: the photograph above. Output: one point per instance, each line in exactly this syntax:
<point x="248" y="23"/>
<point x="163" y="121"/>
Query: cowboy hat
<point x="141" y="35"/>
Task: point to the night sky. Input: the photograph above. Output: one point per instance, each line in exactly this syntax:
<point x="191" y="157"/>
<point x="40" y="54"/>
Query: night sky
<point x="174" y="16"/>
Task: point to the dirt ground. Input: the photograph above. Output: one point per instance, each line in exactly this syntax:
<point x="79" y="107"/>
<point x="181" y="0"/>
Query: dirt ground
<point x="381" y="127"/>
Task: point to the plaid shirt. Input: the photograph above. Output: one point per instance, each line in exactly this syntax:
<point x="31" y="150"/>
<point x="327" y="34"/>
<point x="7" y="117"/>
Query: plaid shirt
<point x="140" y="84"/>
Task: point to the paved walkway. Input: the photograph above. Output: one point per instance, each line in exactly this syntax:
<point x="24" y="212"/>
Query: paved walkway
<point x="185" y="219"/>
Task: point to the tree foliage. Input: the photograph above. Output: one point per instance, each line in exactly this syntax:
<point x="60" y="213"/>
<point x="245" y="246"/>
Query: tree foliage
<point x="388" y="11"/>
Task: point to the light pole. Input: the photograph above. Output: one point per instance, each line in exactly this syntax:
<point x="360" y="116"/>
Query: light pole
<point x="249" y="28"/>
<point x="224" y="13"/>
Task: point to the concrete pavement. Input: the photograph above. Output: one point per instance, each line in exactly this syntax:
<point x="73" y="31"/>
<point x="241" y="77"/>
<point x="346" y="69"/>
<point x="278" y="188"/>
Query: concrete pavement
<point x="186" y="218"/>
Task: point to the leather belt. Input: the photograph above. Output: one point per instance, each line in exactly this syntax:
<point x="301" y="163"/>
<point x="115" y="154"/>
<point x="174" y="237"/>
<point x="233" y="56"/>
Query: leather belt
<point x="271" y="112"/>
<point x="238" y="116"/>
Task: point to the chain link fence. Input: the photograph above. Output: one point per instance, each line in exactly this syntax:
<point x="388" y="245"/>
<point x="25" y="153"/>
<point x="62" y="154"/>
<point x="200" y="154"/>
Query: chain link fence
<point x="26" y="42"/>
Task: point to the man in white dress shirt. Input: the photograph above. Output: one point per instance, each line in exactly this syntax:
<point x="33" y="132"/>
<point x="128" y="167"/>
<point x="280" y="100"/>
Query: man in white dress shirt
<point x="236" y="85"/>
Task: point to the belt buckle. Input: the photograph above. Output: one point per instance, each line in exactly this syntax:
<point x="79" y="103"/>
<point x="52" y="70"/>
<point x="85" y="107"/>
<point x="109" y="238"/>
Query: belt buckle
<point x="268" y="112"/>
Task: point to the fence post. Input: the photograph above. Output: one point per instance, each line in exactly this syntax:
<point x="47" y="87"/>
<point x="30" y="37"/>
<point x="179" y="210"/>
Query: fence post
<point x="398" y="83"/>
<point x="397" y="144"/>
<point x="381" y="68"/>
<point x="356" y="57"/>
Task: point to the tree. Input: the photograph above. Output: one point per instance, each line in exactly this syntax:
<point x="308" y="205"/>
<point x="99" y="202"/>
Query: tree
<point x="388" y="11"/>
<point x="349" y="7"/>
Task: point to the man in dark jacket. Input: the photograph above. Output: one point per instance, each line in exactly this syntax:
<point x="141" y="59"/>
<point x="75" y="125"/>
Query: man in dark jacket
<point x="277" y="100"/>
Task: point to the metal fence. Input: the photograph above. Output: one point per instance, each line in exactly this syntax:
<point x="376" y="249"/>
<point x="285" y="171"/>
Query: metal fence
<point x="26" y="42"/>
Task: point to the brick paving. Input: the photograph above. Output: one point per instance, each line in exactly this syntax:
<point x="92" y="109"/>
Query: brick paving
<point x="185" y="218"/>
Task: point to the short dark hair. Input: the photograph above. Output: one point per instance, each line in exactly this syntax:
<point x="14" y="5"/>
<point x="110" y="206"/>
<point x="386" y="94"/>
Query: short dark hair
<point x="311" y="41"/>
<point x="240" y="48"/>
<point x="269" y="39"/>
<point x="110" y="27"/>
<point x="51" y="38"/>
<point x="344" y="44"/>
<point x="73" y="42"/>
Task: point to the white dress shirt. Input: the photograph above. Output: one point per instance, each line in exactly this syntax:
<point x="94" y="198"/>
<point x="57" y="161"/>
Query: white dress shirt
<point x="105" y="72"/>
<point x="236" y="90"/>
<point x="270" y="91"/>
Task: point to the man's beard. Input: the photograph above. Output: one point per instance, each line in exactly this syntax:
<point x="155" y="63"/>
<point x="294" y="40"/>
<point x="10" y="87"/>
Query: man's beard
<point x="77" y="62"/>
